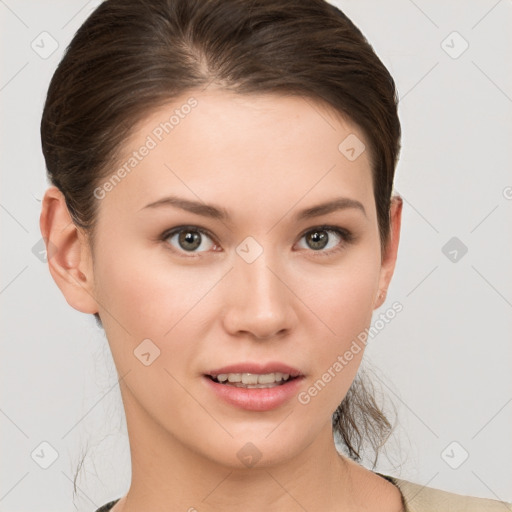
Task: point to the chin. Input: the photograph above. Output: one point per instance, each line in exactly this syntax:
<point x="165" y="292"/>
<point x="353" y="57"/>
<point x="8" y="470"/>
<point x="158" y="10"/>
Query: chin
<point x="253" y="448"/>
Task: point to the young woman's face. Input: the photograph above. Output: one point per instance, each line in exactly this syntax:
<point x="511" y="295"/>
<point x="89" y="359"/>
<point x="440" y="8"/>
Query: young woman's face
<point x="237" y="273"/>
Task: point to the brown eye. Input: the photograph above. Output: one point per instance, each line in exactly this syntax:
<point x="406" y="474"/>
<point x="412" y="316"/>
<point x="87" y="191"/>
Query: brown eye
<point x="326" y="239"/>
<point x="317" y="239"/>
<point x="189" y="239"/>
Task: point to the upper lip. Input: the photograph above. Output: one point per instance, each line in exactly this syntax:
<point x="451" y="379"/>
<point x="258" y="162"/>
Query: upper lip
<point x="259" y="368"/>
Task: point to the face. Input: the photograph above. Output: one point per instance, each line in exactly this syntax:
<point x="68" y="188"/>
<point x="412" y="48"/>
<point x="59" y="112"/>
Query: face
<point x="266" y="260"/>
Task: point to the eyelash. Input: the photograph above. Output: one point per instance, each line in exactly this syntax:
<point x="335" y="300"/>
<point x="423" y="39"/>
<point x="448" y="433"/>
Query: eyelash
<point x="346" y="236"/>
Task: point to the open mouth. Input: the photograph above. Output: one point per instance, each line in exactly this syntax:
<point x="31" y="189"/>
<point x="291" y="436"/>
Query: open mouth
<point x="252" y="380"/>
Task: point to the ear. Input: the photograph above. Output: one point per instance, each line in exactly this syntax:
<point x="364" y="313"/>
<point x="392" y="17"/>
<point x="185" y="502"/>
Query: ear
<point x="68" y="253"/>
<point x="391" y="250"/>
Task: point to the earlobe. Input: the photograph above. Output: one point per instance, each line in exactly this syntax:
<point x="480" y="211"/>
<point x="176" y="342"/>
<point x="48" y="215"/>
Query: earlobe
<point x="68" y="254"/>
<point x="379" y="299"/>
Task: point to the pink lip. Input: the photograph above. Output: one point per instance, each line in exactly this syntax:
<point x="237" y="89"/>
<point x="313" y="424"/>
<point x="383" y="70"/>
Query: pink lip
<point x="256" y="399"/>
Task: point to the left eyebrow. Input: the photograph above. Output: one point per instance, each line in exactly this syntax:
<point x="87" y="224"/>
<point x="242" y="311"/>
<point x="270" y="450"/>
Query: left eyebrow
<point x="341" y="203"/>
<point x="217" y="212"/>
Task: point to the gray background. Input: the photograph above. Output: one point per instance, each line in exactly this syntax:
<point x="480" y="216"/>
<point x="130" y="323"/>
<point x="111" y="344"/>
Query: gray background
<point x="444" y="361"/>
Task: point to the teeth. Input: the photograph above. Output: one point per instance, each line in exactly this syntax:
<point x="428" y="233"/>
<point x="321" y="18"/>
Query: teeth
<point x="267" y="378"/>
<point x="252" y="379"/>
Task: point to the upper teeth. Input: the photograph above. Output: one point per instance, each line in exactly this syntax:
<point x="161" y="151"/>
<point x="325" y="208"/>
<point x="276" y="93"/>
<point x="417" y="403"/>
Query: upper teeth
<point x="253" y="378"/>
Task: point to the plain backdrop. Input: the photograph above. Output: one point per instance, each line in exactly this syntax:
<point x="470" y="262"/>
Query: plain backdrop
<point x="444" y="361"/>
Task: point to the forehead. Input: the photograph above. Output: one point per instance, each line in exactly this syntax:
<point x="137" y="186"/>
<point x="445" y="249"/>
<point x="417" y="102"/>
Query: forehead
<point x="242" y="150"/>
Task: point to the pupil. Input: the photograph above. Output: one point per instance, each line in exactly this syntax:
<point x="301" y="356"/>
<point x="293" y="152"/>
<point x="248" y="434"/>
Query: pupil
<point x="318" y="239"/>
<point x="189" y="237"/>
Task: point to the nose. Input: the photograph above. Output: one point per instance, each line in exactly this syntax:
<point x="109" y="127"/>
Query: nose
<point x="259" y="302"/>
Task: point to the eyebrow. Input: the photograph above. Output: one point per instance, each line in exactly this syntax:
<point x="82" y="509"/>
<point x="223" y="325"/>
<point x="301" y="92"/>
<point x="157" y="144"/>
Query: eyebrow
<point x="217" y="212"/>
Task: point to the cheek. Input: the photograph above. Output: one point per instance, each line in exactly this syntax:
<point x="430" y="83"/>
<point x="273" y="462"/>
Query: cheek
<point x="343" y="305"/>
<point x="342" y="298"/>
<point x="145" y="291"/>
<point x="145" y="297"/>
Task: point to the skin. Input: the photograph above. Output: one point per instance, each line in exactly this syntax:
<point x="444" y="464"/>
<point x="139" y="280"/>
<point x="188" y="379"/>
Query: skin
<point x="263" y="159"/>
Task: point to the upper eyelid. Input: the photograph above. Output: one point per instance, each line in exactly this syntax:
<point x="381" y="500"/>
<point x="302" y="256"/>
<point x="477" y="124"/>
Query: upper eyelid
<point x="166" y="234"/>
<point x="346" y="234"/>
<point x="326" y="227"/>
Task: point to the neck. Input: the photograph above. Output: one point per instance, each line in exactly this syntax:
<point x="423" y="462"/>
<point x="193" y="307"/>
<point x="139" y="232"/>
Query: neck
<point x="167" y="475"/>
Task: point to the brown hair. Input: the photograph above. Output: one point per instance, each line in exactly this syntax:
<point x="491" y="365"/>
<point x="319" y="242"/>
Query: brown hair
<point x="129" y="58"/>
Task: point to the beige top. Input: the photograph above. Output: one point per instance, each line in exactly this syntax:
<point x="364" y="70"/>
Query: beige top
<point x="418" y="498"/>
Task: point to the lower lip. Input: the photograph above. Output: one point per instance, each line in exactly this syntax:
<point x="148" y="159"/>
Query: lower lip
<point x="255" y="399"/>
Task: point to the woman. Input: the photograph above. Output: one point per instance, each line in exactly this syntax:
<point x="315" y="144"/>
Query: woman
<point x="221" y="201"/>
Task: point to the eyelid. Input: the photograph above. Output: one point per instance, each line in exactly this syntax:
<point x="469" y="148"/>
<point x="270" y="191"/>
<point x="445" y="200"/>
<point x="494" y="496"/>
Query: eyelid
<point x="170" y="232"/>
<point x="328" y="227"/>
<point x="177" y="229"/>
<point x="346" y="235"/>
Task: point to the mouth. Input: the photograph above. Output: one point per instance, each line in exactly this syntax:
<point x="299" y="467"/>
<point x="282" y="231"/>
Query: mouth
<point x="253" y="380"/>
<point x="255" y="386"/>
<point x="254" y="375"/>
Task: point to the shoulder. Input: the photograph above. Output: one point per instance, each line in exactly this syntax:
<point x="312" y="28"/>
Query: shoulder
<point x="419" y="498"/>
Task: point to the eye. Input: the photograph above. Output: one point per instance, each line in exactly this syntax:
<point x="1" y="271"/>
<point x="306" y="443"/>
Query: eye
<point x="326" y="240"/>
<point x="323" y="240"/>
<point x="189" y="239"/>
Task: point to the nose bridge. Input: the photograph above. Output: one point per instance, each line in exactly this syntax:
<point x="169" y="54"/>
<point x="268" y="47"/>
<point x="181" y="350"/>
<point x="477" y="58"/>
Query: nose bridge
<point x="261" y="282"/>
<point x="260" y="303"/>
